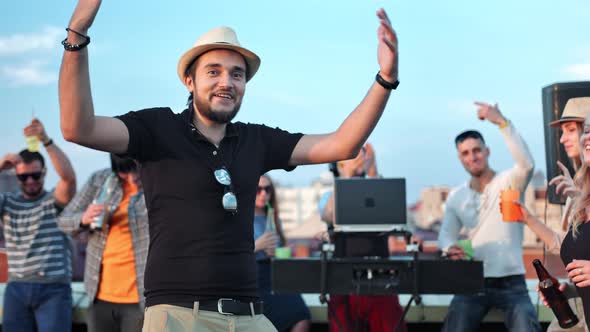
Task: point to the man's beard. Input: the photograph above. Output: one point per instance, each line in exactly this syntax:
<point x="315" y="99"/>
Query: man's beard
<point x="478" y="173"/>
<point x="204" y="108"/>
<point x="31" y="193"/>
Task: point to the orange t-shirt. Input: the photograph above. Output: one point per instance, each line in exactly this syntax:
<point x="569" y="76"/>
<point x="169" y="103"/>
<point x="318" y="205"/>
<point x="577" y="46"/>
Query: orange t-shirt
<point x="118" y="282"/>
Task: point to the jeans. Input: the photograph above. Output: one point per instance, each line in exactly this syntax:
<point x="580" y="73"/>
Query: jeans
<point x="509" y="294"/>
<point x="108" y="316"/>
<point x="37" y="307"/>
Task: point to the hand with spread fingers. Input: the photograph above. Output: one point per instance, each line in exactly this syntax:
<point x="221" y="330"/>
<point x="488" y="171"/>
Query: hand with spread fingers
<point x="387" y="51"/>
<point x="564" y="184"/>
<point x="490" y="112"/>
<point x="578" y="271"/>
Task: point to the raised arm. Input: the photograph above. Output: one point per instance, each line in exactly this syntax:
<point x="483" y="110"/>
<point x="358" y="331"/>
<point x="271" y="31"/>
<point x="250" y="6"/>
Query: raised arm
<point x="524" y="163"/>
<point x="66" y="186"/>
<point x="78" y="122"/>
<point x="347" y="140"/>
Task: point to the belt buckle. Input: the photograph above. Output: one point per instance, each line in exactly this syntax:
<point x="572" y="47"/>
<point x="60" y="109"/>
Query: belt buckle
<point x="220" y="306"/>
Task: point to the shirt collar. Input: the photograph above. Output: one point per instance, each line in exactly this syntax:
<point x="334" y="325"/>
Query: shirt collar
<point x="230" y="130"/>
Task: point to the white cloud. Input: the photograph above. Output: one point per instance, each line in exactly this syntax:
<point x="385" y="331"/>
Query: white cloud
<point x="579" y="70"/>
<point x="31" y="73"/>
<point x="48" y="38"/>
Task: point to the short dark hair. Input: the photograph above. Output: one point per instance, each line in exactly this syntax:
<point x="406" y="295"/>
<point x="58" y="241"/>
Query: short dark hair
<point x="123" y="165"/>
<point x="28" y="157"/>
<point x="469" y="134"/>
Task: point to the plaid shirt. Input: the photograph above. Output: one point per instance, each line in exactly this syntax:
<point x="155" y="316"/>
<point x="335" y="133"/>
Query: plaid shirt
<point x="71" y="218"/>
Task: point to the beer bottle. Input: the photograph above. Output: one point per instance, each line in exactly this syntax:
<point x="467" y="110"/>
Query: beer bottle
<point x="270" y="219"/>
<point x="103" y="198"/>
<point x="556" y="299"/>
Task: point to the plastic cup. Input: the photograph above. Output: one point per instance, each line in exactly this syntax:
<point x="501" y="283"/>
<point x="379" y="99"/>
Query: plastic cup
<point x="32" y="143"/>
<point x="283" y="252"/>
<point x="301" y="251"/>
<point x="467" y="247"/>
<point x="510" y="211"/>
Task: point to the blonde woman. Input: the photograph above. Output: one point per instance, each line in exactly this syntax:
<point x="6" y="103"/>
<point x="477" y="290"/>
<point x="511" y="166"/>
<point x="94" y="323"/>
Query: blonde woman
<point x="571" y="124"/>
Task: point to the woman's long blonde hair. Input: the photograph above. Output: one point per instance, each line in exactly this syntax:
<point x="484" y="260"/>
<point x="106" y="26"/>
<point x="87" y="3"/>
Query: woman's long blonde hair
<point x="578" y="213"/>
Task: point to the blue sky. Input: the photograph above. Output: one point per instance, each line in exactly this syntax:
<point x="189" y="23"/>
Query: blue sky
<point x="318" y="61"/>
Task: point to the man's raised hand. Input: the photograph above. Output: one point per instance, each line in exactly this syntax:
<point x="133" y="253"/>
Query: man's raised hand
<point x="387" y="52"/>
<point x="490" y="112"/>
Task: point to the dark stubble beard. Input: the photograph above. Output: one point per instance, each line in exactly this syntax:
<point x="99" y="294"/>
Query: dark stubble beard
<point x="204" y="108"/>
<point x="29" y="193"/>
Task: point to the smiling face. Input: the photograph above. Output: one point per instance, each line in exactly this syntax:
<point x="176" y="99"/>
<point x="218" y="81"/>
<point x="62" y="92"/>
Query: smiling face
<point x="570" y="136"/>
<point x="473" y="154"/>
<point x="31" y="177"/>
<point x="218" y="83"/>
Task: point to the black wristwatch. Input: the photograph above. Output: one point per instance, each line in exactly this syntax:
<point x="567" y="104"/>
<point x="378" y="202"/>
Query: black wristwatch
<point x="48" y="143"/>
<point x="385" y="84"/>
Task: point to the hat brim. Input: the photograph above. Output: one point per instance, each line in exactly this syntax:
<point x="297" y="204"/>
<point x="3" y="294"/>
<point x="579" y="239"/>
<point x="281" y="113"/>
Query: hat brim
<point x="557" y="123"/>
<point x="252" y="60"/>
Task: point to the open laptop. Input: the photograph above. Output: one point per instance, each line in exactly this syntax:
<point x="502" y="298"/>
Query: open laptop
<point x="370" y="205"/>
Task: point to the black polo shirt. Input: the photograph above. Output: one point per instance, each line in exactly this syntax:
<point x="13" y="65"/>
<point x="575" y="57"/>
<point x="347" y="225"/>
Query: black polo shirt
<point x="198" y="250"/>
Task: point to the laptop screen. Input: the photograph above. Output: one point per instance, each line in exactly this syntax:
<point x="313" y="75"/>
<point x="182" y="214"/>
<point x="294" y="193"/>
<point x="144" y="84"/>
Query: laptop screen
<point x="366" y="205"/>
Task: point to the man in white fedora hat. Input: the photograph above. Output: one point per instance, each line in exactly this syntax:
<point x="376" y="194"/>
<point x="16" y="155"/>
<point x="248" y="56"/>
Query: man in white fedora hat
<point x="200" y="171"/>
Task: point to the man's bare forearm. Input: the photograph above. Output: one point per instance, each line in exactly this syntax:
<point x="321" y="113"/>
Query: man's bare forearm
<point x="75" y="98"/>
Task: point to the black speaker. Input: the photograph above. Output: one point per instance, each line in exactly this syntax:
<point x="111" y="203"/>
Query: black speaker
<point x="555" y="96"/>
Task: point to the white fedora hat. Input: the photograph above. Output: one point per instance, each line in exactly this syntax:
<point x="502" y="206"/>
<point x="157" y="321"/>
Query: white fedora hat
<point x="218" y="38"/>
<point x="575" y="110"/>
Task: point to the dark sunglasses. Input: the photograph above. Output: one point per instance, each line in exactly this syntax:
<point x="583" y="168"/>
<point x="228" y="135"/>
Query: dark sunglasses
<point x="229" y="199"/>
<point x="260" y="189"/>
<point x="35" y="175"/>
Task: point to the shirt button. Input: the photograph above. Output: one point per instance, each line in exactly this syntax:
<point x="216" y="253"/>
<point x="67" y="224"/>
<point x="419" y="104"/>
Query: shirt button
<point x="214" y="153"/>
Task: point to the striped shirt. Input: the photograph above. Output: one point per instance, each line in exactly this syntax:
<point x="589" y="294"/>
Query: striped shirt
<point x="38" y="251"/>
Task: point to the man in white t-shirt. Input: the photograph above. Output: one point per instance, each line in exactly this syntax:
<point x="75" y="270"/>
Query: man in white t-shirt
<point x="475" y="207"/>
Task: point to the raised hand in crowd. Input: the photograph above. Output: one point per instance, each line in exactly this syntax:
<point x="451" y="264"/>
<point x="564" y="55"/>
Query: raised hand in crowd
<point x="36" y="129"/>
<point x="9" y="161"/>
<point x="564" y="184"/>
<point x="489" y="112"/>
<point x="387" y="50"/>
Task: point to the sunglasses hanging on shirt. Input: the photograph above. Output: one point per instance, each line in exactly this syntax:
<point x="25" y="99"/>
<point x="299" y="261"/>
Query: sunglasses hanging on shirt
<point x="229" y="199"/>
